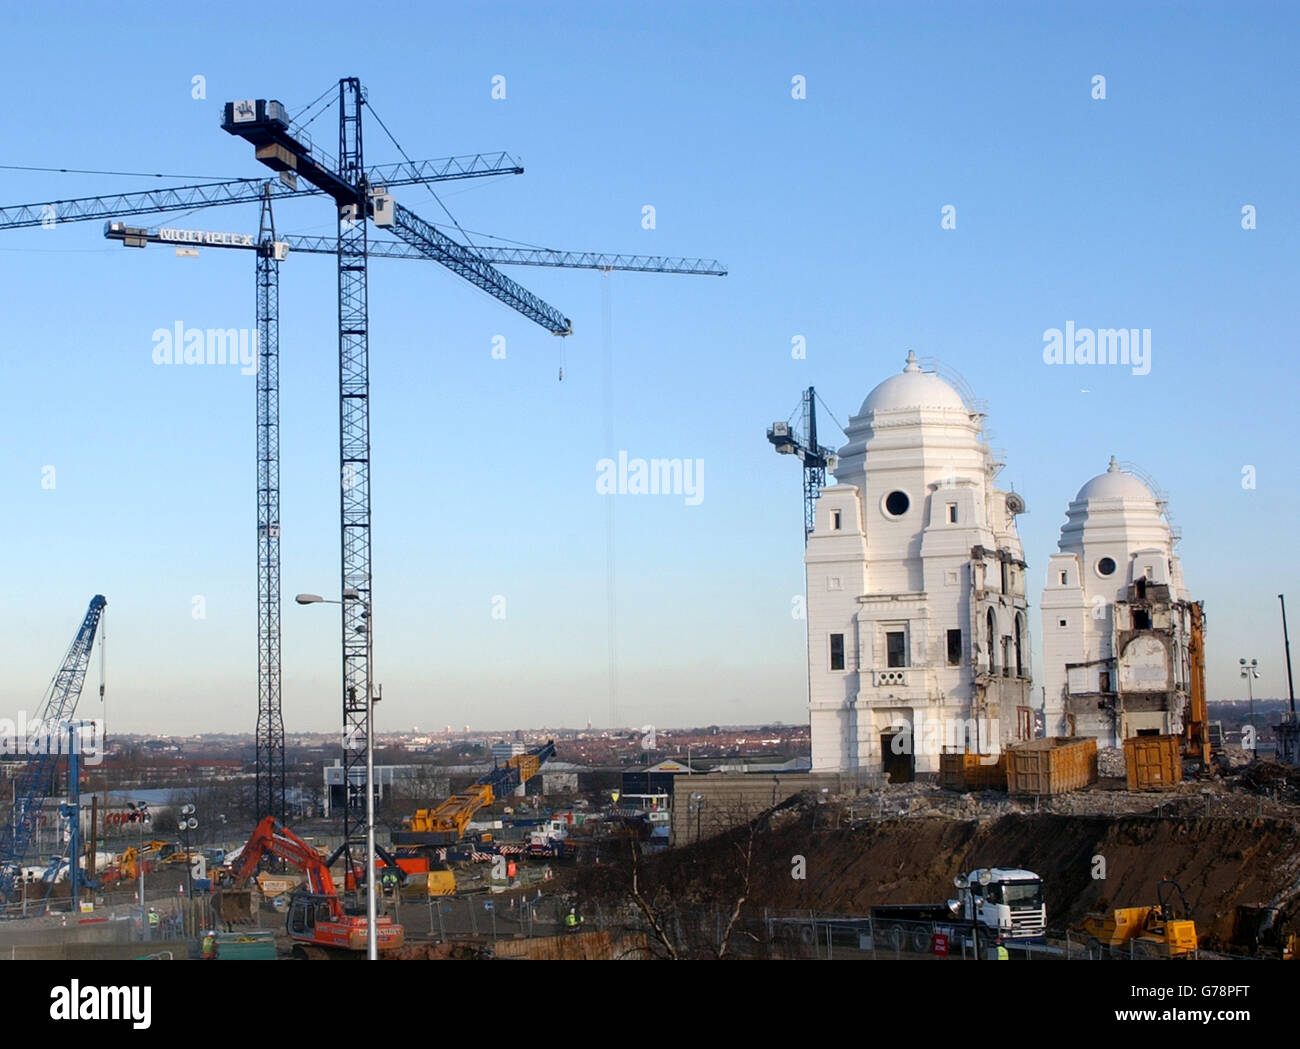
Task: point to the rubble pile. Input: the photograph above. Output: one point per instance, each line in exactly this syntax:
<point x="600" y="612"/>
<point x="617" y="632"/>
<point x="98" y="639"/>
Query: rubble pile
<point x="1111" y="763"/>
<point x="1271" y="780"/>
<point x="1262" y="791"/>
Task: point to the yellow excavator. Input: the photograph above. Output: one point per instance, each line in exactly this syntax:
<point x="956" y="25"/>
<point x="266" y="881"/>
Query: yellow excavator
<point x="129" y="862"/>
<point x="1196" y="717"/>
<point x="1143" y="932"/>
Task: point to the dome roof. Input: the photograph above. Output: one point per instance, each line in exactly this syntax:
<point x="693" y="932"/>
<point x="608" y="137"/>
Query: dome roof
<point x="912" y="389"/>
<point x="1115" y="484"/>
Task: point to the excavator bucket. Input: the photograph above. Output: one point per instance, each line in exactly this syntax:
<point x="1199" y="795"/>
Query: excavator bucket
<point x="236" y="905"/>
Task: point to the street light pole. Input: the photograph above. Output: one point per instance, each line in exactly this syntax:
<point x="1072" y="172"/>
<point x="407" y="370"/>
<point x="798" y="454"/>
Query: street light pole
<point x="139" y="870"/>
<point x="1250" y="671"/>
<point x="372" y="944"/>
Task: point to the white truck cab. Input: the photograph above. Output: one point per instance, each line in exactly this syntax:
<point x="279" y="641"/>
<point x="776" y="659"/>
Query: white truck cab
<point x="1007" y="900"/>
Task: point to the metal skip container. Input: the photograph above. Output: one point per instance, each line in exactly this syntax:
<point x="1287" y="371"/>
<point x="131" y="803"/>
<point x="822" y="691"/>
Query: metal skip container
<point x="1154" y="762"/>
<point x="1056" y="765"/>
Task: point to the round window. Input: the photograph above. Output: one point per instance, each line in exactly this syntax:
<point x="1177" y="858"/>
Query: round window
<point x="1106" y="566"/>
<point x="896" y="504"/>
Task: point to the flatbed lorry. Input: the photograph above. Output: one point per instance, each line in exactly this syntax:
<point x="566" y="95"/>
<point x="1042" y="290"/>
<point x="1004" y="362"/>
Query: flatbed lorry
<point x="1005" y="902"/>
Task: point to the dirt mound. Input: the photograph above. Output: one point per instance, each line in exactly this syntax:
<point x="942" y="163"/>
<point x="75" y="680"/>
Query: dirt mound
<point x="437" y="952"/>
<point x="1083" y="861"/>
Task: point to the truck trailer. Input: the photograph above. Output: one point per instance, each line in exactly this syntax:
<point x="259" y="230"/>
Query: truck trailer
<point x="1005" y="902"/>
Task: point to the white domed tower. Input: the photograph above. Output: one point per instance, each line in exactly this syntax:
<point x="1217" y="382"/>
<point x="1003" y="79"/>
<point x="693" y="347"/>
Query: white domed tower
<point x="917" y="625"/>
<point x="1116" y="616"/>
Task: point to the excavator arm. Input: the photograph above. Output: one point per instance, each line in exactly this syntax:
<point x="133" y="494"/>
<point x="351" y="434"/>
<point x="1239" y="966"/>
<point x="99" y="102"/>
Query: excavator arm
<point x="1196" y="731"/>
<point x="270" y="836"/>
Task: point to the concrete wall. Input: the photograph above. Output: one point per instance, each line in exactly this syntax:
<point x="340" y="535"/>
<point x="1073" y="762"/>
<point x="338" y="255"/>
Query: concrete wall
<point x="559" y="783"/>
<point x="730" y="799"/>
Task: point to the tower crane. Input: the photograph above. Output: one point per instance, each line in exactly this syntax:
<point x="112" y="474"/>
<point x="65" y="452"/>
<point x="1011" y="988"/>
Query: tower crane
<point x="359" y="193"/>
<point x="270" y="724"/>
<point x="265" y="125"/>
<point x="816" y="458"/>
<point x="34" y="781"/>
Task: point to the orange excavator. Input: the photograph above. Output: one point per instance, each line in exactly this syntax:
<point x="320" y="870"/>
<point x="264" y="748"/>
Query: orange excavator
<point x="317" y="921"/>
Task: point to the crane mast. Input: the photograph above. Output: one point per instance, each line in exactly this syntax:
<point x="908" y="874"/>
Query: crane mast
<point x="354" y="463"/>
<point x="816" y="458"/>
<point x="269" y="740"/>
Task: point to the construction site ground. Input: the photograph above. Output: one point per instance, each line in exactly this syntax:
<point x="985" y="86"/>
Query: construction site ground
<point x="1227" y="843"/>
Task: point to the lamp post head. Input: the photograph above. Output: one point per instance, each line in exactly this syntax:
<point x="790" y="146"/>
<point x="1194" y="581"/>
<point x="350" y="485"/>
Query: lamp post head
<point x="309" y="599"/>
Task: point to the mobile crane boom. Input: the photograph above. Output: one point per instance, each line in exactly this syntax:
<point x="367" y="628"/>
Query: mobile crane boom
<point x="448" y="822"/>
<point x="35" y="780"/>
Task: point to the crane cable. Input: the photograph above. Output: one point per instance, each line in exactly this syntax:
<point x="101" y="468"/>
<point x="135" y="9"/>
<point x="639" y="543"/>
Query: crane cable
<point x="297" y="118"/>
<point x="405" y="156"/>
<point x="125" y="174"/>
<point x="832" y="415"/>
<point x="611" y="604"/>
<point x="103" y="639"/>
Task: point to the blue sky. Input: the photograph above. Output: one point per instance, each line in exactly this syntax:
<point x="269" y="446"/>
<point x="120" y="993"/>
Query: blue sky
<point x="1123" y="212"/>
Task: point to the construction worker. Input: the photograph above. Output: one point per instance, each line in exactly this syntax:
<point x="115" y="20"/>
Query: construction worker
<point x="1002" y="954"/>
<point x="572" y="920"/>
<point x="209" y="944"/>
<point x="154" y="919"/>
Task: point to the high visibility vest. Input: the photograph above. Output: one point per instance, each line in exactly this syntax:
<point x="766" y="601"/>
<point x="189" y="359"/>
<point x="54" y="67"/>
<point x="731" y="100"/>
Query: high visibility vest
<point x="571" y="920"/>
<point x="1003" y="956"/>
<point x="153" y="917"/>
